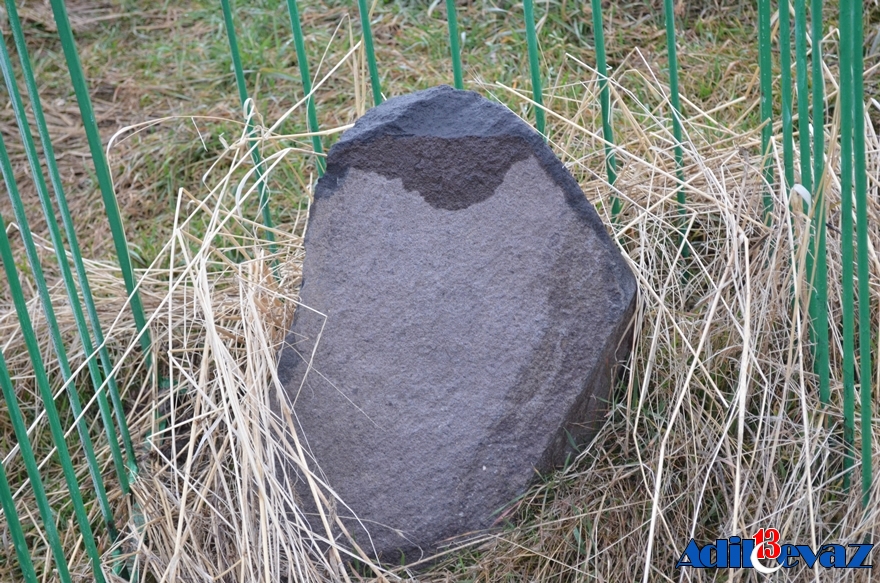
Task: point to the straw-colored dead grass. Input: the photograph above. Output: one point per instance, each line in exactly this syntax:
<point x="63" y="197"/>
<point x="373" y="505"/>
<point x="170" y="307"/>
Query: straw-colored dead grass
<point x="717" y="430"/>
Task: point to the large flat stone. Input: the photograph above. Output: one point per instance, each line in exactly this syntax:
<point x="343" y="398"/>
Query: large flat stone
<point x="471" y="310"/>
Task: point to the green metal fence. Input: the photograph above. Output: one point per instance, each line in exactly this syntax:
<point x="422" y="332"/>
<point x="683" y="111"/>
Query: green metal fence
<point x="807" y="91"/>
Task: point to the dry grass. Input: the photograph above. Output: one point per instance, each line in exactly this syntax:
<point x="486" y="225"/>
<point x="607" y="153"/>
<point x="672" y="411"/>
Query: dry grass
<point x="717" y="431"/>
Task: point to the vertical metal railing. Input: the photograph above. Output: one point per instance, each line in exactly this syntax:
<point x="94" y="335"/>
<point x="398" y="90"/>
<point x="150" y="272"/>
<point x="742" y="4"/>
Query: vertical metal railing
<point x="367" y="32"/>
<point x="70" y="232"/>
<point x="454" y="48"/>
<point x="48" y="400"/>
<point x="535" y="66"/>
<point x="112" y="415"/>
<point x="811" y="180"/>
<point x="786" y="92"/>
<point x="810" y="103"/>
<point x="10" y="513"/>
<point x="102" y="171"/>
<point x="852" y="30"/>
<point x="765" y="59"/>
<point x="48" y="310"/>
<point x="265" y="211"/>
<point x="605" y="101"/>
<point x="819" y="274"/>
<point x="846" y="239"/>
<point x="50" y="529"/>
<point x="303" y="62"/>
<point x="677" y="132"/>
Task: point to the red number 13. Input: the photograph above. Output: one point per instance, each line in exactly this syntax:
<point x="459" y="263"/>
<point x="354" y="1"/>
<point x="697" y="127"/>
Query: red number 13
<point x="767" y="541"/>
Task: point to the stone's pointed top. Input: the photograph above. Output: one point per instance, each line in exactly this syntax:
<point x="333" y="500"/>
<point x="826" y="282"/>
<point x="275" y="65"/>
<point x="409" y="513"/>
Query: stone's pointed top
<point x="460" y="135"/>
<point x="441" y="112"/>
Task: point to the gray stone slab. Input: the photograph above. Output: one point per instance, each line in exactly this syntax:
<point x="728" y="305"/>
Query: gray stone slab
<point x="471" y="310"/>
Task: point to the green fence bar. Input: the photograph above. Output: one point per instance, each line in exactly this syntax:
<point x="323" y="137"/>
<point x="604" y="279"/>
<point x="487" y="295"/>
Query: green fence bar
<point x="805" y="168"/>
<point x="677" y="133"/>
<point x="237" y="68"/>
<point x="846" y="237"/>
<point x="371" y="53"/>
<point x="605" y="101"/>
<point x="70" y="285"/>
<point x="75" y="252"/>
<point x="764" y="57"/>
<point x="302" y="59"/>
<point x="30" y="461"/>
<point x="816" y="262"/>
<point x="243" y="97"/>
<point x="785" y="81"/>
<point x="55" y="235"/>
<point x="818" y="95"/>
<point x="820" y="278"/>
<point x="102" y="171"/>
<point x="453" y="44"/>
<point x="12" y="520"/>
<point x="42" y="380"/>
<point x="534" y="65"/>
<point x="856" y="35"/>
<point x="803" y="94"/>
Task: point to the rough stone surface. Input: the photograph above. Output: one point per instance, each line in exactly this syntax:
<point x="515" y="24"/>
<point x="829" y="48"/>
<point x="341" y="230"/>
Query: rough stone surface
<point x="473" y="311"/>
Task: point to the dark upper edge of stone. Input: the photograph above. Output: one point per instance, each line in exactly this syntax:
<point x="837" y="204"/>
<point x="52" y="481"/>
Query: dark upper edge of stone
<point x="447" y="113"/>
